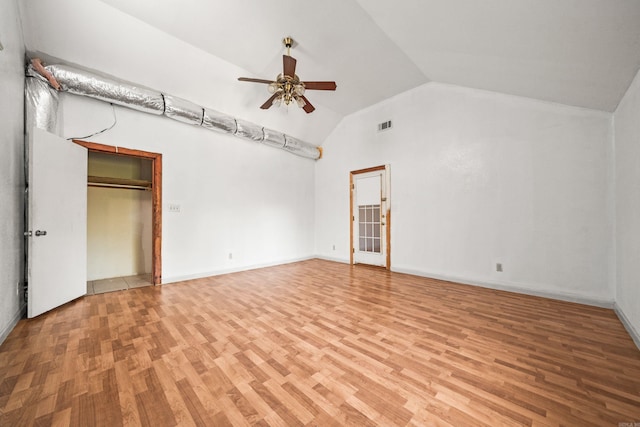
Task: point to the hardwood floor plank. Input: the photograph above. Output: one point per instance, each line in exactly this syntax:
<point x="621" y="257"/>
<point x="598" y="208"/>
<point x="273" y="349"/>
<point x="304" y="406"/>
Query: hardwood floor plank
<point x="319" y="343"/>
<point x="61" y="418"/>
<point x="153" y="406"/>
<point x="171" y="389"/>
<point x="198" y="412"/>
<point x="288" y="401"/>
<point x="126" y="396"/>
<point x="241" y="404"/>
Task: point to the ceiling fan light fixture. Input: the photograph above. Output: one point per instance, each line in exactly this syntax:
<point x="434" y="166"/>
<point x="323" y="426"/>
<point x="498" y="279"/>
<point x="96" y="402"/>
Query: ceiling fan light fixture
<point x="287" y="97"/>
<point x="287" y="87"/>
<point x="273" y="87"/>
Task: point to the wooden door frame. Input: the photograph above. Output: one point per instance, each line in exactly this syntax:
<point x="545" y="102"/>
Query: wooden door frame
<point x="156" y="197"/>
<point x="387" y="213"/>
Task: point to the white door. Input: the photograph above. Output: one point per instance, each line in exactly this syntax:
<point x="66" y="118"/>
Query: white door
<point x="370" y="204"/>
<point x="56" y="222"/>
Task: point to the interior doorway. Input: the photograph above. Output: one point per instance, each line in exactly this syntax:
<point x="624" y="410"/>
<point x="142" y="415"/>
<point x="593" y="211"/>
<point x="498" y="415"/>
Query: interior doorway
<point x="370" y="216"/>
<point x="124" y="218"/>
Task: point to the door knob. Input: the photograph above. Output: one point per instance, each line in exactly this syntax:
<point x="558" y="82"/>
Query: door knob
<point x="41" y="233"/>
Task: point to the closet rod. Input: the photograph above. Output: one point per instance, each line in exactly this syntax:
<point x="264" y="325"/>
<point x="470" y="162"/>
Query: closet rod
<point x="110" y="182"/>
<point x="123" y="186"/>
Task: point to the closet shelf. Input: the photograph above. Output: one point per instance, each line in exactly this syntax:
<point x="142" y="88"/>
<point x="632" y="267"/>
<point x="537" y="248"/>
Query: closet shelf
<point x="104" y="181"/>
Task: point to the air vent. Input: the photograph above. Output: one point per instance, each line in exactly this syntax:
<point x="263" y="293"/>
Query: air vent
<point x="384" y="126"/>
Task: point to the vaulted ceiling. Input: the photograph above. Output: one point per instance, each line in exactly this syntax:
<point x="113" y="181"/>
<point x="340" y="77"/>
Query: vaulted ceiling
<point x="576" y="52"/>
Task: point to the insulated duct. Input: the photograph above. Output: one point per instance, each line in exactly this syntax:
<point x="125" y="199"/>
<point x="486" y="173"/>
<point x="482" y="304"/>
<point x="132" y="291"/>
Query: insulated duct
<point x="71" y="80"/>
<point x="42" y="106"/>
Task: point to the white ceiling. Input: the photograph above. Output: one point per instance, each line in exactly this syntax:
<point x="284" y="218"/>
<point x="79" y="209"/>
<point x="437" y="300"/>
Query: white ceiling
<point x="576" y="52"/>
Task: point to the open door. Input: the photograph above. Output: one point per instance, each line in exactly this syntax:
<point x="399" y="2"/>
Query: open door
<point x="56" y="221"/>
<point x="370" y="217"/>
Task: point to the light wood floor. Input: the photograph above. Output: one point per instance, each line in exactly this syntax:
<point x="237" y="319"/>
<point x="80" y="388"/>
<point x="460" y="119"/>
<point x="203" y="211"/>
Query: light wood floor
<point x="319" y="343"/>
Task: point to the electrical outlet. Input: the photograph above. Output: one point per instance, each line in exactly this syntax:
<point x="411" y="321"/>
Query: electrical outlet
<point x="174" y="207"/>
<point x="499" y="267"/>
<point x="230" y="255"/>
<point x="334" y="247"/>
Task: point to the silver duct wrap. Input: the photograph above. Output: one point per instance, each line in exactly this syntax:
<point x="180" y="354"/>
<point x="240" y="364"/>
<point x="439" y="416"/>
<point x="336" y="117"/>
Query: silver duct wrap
<point x="214" y="120"/>
<point x="301" y="148"/>
<point x="248" y="130"/>
<point x="41" y="104"/>
<point x="182" y="110"/>
<point x="150" y="101"/>
<point x="273" y="138"/>
<point x="108" y="90"/>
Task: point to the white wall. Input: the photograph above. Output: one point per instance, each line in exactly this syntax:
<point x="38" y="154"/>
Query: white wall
<point x="118" y="232"/>
<point x="479" y="178"/>
<point x="235" y="196"/>
<point x="627" y="154"/>
<point x="11" y="169"/>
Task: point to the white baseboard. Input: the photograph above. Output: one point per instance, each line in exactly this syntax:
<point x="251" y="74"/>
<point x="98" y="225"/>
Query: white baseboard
<point x="174" y="279"/>
<point x="635" y="336"/>
<point x="22" y="311"/>
<point x="509" y="287"/>
<point x="328" y="258"/>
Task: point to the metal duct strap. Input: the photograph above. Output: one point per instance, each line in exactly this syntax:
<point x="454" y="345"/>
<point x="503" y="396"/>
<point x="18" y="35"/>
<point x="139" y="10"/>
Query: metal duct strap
<point x="249" y="131"/>
<point x="182" y="110"/>
<point x="105" y="89"/>
<point x="214" y="120"/>
<point x="273" y="138"/>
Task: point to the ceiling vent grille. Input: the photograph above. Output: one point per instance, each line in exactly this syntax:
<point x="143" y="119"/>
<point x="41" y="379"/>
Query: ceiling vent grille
<point x="384" y="126"/>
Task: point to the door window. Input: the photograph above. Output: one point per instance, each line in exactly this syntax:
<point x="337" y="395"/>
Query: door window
<point x="369" y="228"/>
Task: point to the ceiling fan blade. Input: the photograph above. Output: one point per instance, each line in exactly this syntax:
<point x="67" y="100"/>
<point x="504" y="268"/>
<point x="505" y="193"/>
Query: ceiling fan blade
<point x="307" y="105"/>
<point x="247" y="79"/>
<point x="289" y="65"/>
<point x="320" y="85"/>
<point x="269" y="102"/>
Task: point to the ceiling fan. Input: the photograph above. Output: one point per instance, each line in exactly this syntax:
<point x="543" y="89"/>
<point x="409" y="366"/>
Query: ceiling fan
<point x="287" y="87"/>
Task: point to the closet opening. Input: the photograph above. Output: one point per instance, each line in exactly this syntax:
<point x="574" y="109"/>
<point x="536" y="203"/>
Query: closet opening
<point x="123" y="218"/>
